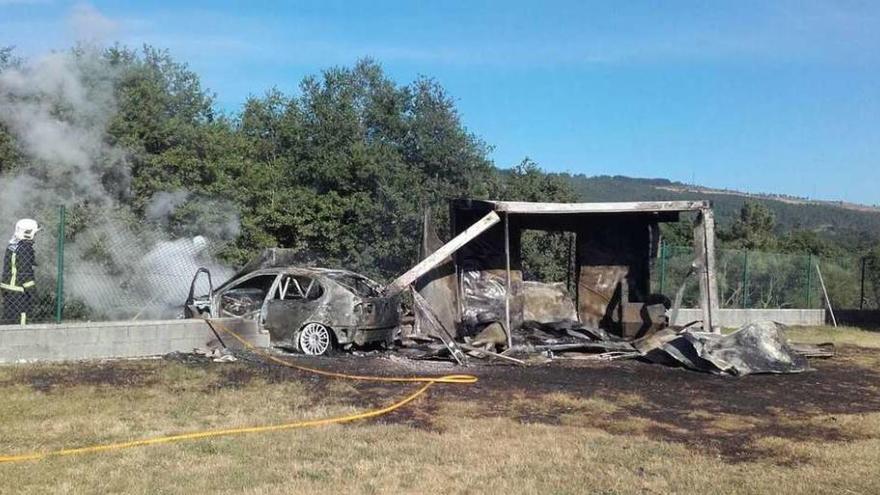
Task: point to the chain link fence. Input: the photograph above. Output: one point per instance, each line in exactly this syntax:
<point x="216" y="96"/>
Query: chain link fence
<point x="756" y="279"/>
<point x="120" y="269"/>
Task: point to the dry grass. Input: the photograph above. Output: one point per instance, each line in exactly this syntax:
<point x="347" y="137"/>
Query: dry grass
<point x="471" y="447"/>
<point x="840" y="336"/>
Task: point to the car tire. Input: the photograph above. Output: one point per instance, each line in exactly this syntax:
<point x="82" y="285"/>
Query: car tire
<point x="314" y="339"/>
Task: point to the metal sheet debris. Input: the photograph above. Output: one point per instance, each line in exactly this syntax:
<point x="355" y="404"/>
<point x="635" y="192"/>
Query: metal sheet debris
<point x="754" y="348"/>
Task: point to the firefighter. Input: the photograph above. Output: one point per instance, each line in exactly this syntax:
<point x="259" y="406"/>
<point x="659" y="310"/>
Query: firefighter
<point x="17" y="284"/>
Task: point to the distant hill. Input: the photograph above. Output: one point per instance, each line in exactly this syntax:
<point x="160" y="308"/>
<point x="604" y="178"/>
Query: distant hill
<point x="843" y="222"/>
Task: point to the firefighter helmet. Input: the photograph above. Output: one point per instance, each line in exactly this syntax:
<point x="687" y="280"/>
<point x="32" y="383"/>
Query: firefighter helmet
<point x="25" y="229"/>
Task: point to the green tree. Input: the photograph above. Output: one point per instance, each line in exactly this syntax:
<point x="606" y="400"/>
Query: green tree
<point x="545" y="253"/>
<point x="753" y="229"/>
<point x="679" y="233"/>
<point x="799" y="241"/>
<point x="351" y="162"/>
<point x="527" y="182"/>
<point x="5" y="56"/>
<point x="164" y="120"/>
<point x="9" y="154"/>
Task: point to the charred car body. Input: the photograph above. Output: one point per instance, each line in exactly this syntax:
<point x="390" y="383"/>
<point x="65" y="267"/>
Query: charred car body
<point x="311" y="310"/>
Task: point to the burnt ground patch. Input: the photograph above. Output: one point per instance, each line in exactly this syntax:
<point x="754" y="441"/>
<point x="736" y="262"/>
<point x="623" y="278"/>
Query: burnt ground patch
<point x="678" y="405"/>
<point x="49" y="378"/>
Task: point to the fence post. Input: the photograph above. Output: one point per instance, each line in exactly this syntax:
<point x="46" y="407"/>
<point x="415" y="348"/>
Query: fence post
<point x="808" y="296"/>
<point x="662" y="267"/>
<point x="59" y="278"/>
<point x="745" y="284"/>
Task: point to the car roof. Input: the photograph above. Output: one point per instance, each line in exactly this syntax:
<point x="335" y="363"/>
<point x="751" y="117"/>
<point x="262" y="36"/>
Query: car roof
<point x="296" y="270"/>
<point x="306" y="270"/>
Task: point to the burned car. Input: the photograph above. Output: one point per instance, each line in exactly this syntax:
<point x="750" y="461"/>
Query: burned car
<point x="310" y="310"/>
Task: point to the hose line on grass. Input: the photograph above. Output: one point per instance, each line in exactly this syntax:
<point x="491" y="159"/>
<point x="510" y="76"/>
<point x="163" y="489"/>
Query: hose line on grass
<point x="426" y="381"/>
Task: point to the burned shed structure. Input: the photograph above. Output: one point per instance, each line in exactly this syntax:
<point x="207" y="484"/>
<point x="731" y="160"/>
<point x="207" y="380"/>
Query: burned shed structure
<point x="480" y="271"/>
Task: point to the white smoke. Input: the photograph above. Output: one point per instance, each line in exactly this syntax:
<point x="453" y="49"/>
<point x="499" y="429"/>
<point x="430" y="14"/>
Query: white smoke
<point x="58" y="109"/>
<point x="209" y="216"/>
<point x="163" y="204"/>
<point x="59" y="124"/>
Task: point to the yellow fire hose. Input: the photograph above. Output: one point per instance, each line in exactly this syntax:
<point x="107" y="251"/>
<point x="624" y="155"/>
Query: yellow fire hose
<point x="427" y="381"/>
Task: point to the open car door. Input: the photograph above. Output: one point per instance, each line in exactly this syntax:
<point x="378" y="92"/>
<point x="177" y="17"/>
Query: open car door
<point x="190" y="308"/>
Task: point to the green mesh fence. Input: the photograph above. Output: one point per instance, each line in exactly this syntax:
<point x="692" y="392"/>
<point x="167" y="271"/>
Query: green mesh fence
<point x="755" y="279"/>
<point x="118" y="271"/>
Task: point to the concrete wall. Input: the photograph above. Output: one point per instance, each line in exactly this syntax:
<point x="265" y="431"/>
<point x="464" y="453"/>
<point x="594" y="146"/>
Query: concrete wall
<point x="124" y="339"/>
<point x="733" y="318"/>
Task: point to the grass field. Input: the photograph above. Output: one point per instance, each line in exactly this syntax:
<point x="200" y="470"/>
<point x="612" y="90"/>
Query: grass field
<point x="623" y="427"/>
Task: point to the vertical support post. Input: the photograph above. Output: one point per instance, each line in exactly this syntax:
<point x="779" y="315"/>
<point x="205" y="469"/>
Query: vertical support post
<point x="507" y="292"/>
<point x="459" y="290"/>
<point x="709" y="229"/>
<point x="662" y="268"/>
<point x="59" y="277"/>
<point x="827" y="299"/>
<point x="704" y="247"/>
<point x="423" y="249"/>
<point x="862" y="284"/>
<point x="568" y="263"/>
<point x="745" y="283"/>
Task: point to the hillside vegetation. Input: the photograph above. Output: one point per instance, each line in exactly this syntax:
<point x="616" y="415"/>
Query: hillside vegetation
<point x="844" y="224"/>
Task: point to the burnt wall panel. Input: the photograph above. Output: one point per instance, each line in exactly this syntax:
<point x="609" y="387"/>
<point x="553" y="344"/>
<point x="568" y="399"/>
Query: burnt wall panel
<point x="613" y="260"/>
<point x="483" y="275"/>
<point x="613" y="265"/>
<point x="438" y="286"/>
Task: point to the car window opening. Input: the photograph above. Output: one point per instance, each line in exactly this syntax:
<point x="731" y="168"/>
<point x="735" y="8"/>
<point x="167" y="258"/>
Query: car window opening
<point x="361" y="286"/>
<point x="247" y="297"/>
<point x="298" y="288"/>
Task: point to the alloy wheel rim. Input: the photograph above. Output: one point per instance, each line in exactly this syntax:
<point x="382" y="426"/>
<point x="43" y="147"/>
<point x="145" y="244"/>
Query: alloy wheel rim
<point x="314" y="339"/>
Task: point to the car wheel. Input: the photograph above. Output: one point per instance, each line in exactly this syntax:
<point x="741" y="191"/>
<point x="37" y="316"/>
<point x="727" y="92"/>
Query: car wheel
<point x="314" y="339"/>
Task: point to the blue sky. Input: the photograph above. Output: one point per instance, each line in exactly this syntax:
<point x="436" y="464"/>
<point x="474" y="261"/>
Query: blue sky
<point x="760" y="96"/>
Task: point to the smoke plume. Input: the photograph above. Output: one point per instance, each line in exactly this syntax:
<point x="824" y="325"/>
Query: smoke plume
<point x="58" y="109"/>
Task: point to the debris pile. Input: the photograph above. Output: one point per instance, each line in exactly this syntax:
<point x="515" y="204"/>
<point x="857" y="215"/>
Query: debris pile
<point x="752" y="349"/>
<point x="471" y="299"/>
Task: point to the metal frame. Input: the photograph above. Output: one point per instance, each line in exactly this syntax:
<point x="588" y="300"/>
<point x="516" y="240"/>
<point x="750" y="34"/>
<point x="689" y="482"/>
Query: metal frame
<point x="507" y="328"/>
<point x="704" y="239"/>
<point x="704" y="242"/>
